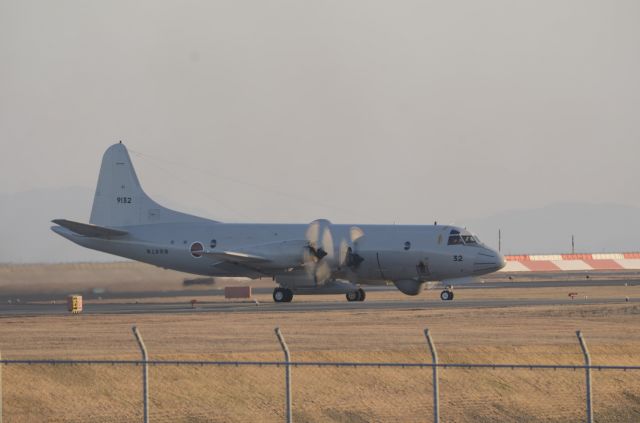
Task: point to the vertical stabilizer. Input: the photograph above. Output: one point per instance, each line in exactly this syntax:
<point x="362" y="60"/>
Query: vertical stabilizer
<point x="120" y="200"/>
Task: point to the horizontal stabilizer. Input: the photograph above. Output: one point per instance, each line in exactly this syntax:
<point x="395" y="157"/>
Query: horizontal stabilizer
<point x="86" y="229"/>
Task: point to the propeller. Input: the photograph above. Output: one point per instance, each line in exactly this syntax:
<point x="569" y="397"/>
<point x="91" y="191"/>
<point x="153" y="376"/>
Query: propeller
<point x="321" y="259"/>
<point x="349" y="259"/>
<point x="318" y="256"/>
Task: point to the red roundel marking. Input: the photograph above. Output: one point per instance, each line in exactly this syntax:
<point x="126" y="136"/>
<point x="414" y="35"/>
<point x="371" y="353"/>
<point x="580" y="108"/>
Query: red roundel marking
<point x="197" y="249"/>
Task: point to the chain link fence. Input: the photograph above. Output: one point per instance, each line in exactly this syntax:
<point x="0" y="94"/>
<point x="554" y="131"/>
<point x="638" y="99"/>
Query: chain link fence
<point x="319" y="390"/>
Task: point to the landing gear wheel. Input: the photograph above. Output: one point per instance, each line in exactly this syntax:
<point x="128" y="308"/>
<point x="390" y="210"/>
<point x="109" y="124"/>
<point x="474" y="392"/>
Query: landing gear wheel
<point x="358" y="295"/>
<point x="288" y="295"/>
<point x="352" y="296"/>
<point x="282" y="295"/>
<point x="446" y="295"/>
<point x="278" y="295"/>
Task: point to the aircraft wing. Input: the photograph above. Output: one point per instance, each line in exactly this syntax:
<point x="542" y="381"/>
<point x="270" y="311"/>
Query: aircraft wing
<point x="236" y="257"/>
<point x="275" y="255"/>
<point x="89" y="230"/>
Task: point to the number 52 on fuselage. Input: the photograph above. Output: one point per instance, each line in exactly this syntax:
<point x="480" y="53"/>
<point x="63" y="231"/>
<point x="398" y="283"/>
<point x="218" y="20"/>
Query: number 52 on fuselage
<point x="315" y="258"/>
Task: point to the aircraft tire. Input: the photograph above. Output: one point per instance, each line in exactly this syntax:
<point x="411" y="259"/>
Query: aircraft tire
<point x="361" y="294"/>
<point x="288" y="295"/>
<point x="280" y="295"/>
<point x="446" y="295"/>
<point x="353" y="296"/>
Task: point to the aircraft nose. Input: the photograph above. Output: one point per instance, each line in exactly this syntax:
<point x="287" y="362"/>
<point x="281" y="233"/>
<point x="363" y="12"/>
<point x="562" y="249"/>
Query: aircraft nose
<point x="488" y="261"/>
<point x="502" y="262"/>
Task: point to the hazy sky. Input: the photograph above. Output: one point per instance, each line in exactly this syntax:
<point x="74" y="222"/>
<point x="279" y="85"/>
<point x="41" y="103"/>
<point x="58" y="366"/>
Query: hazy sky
<point x="360" y="111"/>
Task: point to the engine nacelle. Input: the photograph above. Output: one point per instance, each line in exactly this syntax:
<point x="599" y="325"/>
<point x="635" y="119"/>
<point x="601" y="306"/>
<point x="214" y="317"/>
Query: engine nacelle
<point x="409" y="286"/>
<point x="301" y="282"/>
<point x="295" y="280"/>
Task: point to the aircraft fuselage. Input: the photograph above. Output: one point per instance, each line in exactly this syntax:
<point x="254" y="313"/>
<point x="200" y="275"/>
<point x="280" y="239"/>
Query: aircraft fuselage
<point x="319" y="257"/>
<point x="389" y="252"/>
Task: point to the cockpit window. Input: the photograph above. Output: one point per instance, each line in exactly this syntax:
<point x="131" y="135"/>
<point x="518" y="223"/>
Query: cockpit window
<point x="469" y="239"/>
<point x="455" y="238"/>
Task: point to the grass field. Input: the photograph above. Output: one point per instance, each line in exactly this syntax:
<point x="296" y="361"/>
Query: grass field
<point x="543" y="335"/>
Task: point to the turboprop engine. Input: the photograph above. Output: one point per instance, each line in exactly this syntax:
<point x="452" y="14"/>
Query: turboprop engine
<point x="316" y="253"/>
<point x="409" y="286"/>
<point x="323" y="261"/>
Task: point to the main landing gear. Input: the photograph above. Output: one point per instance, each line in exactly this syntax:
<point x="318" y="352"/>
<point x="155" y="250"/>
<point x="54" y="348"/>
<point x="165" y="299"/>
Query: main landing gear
<point x="447" y="294"/>
<point x="282" y="295"/>
<point x="358" y="295"/>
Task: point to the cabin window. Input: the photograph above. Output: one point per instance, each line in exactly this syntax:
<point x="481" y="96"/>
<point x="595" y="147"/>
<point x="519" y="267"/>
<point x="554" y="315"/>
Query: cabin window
<point x="213" y="243"/>
<point x="407" y="245"/>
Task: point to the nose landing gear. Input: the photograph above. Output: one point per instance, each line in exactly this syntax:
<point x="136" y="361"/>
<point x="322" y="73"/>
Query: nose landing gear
<point x="358" y="295"/>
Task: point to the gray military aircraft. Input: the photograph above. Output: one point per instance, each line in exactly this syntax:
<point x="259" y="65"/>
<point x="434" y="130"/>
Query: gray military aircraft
<point x="315" y="258"/>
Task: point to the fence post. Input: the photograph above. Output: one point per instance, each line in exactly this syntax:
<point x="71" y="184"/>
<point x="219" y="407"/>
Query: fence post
<point x="1" y="366"/>
<point x="587" y="363"/>
<point x="285" y="349"/>
<point x="145" y="374"/>
<point x="436" y="393"/>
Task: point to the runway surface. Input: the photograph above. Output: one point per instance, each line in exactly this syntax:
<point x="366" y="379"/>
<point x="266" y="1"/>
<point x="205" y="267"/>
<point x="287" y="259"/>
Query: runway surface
<point x="144" y="302"/>
<point x="270" y="307"/>
<point x="207" y="292"/>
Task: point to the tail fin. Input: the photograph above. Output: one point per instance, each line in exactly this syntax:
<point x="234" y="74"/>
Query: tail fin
<point x="120" y="200"/>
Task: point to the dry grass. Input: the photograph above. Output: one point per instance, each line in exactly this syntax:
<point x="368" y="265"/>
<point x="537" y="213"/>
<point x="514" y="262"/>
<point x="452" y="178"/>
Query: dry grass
<point x="516" y="335"/>
<point x="206" y="394"/>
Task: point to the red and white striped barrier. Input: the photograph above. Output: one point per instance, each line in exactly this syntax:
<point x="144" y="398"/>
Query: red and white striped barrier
<point x="572" y="262"/>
